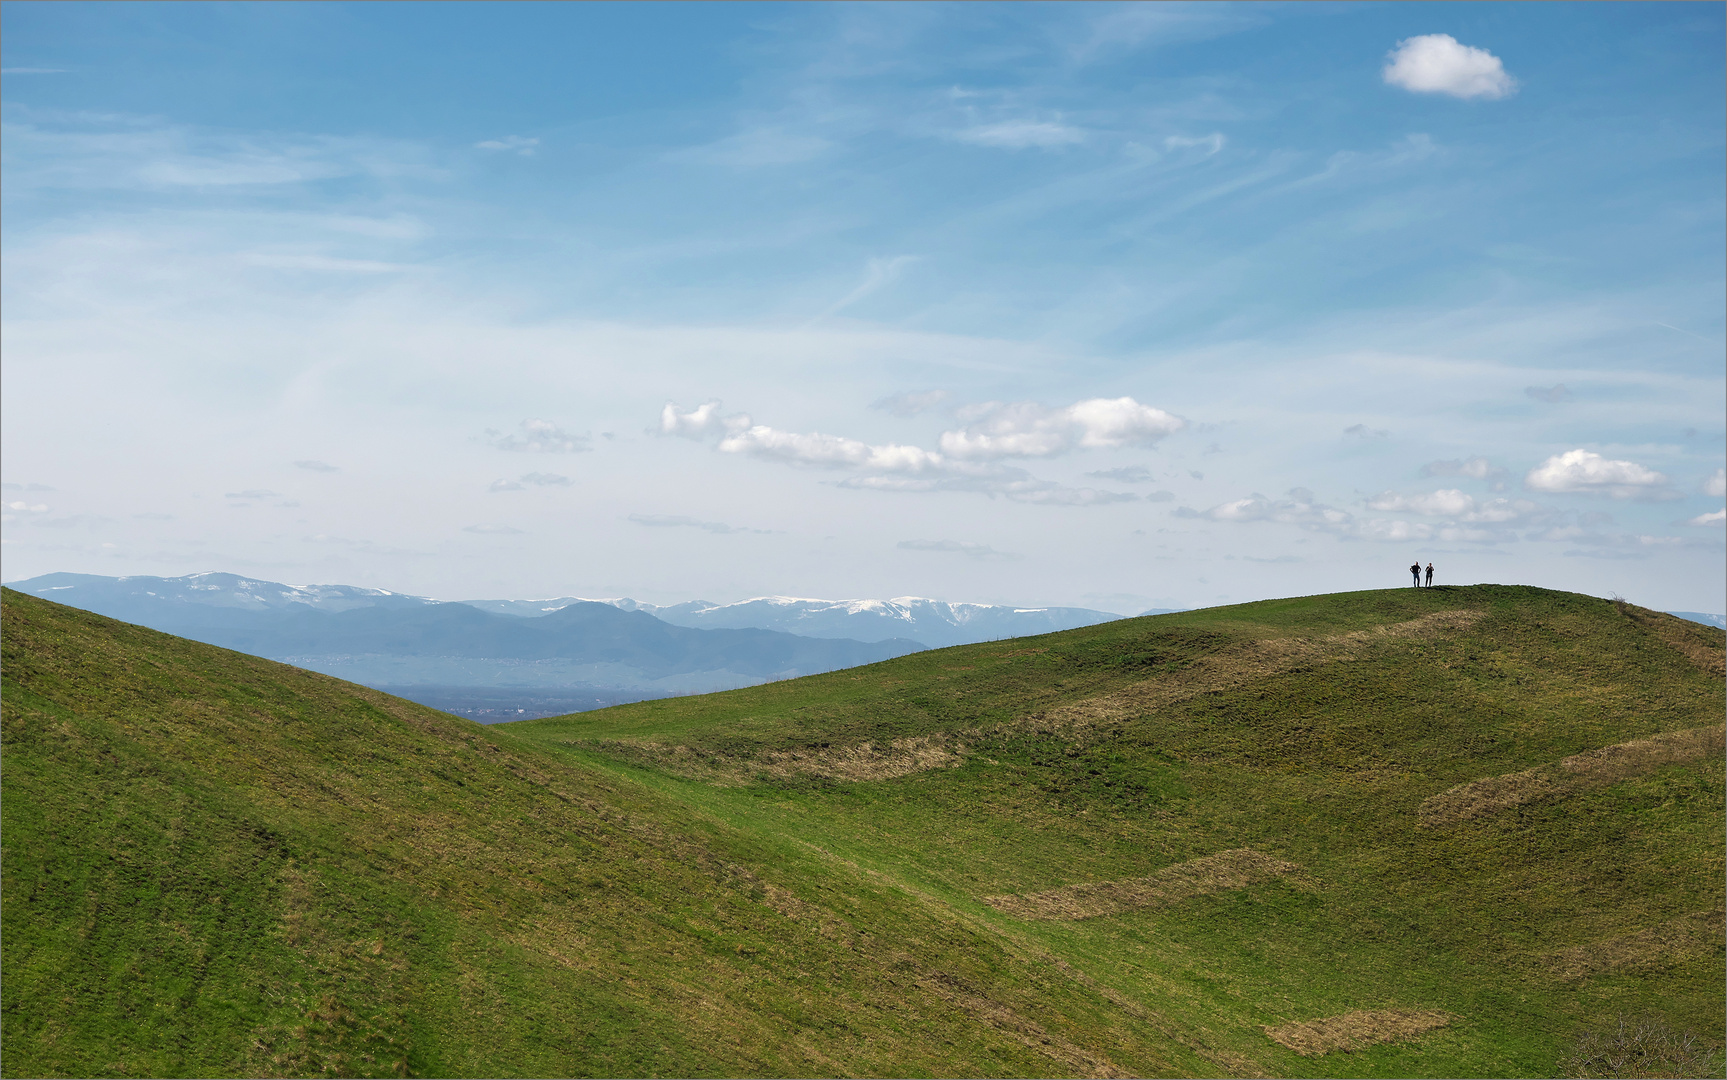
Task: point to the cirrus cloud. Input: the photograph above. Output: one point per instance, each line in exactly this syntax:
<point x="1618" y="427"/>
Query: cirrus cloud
<point x="1022" y="135"/>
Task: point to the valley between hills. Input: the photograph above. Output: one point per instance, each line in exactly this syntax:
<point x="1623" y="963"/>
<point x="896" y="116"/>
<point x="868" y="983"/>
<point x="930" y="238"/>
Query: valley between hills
<point x="1420" y="832"/>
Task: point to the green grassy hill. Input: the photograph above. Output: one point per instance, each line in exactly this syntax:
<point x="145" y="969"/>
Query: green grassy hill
<point x="1418" y="832"/>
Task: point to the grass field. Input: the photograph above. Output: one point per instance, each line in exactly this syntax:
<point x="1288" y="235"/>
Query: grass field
<point x="1446" y="832"/>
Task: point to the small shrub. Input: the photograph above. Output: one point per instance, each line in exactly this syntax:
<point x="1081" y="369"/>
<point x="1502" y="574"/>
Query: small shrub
<point x="1641" y="1046"/>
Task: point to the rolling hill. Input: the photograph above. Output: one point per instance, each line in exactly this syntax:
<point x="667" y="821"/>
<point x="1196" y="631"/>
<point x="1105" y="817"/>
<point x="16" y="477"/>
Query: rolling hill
<point x="1453" y="831"/>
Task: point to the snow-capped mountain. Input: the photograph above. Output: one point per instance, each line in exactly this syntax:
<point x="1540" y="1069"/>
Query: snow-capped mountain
<point x="936" y="623"/>
<point x="1703" y="617"/>
<point x="202" y="600"/>
<point x="385" y="639"/>
<point x="126" y="597"/>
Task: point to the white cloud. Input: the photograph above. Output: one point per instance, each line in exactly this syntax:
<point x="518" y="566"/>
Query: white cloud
<point x="1362" y="431"/>
<point x="252" y="493"/>
<point x="1589" y="472"/>
<point x="828" y="451"/>
<point x="540" y="437"/>
<point x="492" y="530"/>
<point x="1717" y="517"/>
<point x="1471" y="521"/>
<point x="1440" y="64"/>
<point x="909" y="404"/>
<point x="1716" y="485"/>
<point x="1552" y="394"/>
<point x="1031" y="430"/>
<point x="1022" y="134"/>
<point x="516" y="143"/>
<point x="699" y="422"/>
<point x="1448" y="503"/>
<point x="315" y="466"/>
<point x="969" y="459"/>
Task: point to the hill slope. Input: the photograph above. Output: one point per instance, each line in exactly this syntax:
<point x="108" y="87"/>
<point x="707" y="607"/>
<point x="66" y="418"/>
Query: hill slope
<point x="1425" y="832"/>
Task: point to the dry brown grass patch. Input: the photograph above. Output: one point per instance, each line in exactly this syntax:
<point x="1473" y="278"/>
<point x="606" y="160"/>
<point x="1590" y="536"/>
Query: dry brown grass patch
<point x="865" y="761"/>
<point x="1213" y="873"/>
<point x="1352" y="1031"/>
<point x="1490" y="795"/>
<point x="862" y="761"/>
<point x="1640" y="756"/>
<point x="1592" y="768"/>
<point x="1652" y="947"/>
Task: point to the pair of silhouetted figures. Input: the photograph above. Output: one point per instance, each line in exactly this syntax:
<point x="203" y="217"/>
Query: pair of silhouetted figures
<point x="1415" y="574"/>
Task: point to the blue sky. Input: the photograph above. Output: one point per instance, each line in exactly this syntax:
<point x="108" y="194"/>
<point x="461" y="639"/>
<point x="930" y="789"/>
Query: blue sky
<point x="1118" y="306"/>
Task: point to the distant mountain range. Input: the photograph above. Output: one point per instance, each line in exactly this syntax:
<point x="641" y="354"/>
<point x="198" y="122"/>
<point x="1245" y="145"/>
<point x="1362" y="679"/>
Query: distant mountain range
<point x="1702" y="617"/>
<point x="933" y="622"/>
<point x="495" y="658"/>
<point x="385" y="639"/>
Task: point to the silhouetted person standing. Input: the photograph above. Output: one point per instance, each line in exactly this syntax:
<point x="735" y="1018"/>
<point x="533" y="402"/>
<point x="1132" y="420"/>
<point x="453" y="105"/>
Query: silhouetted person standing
<point x="1415" y="575"/>
<point x="1430" y="575"/>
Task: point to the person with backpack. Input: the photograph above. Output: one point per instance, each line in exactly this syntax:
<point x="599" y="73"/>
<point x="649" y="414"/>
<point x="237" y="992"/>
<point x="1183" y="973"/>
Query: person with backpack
<point x="1430" y="575"/>
<point x="1415" y="574"/>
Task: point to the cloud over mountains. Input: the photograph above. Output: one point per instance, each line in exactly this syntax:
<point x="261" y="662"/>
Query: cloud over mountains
<point x="970" y="457"/>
